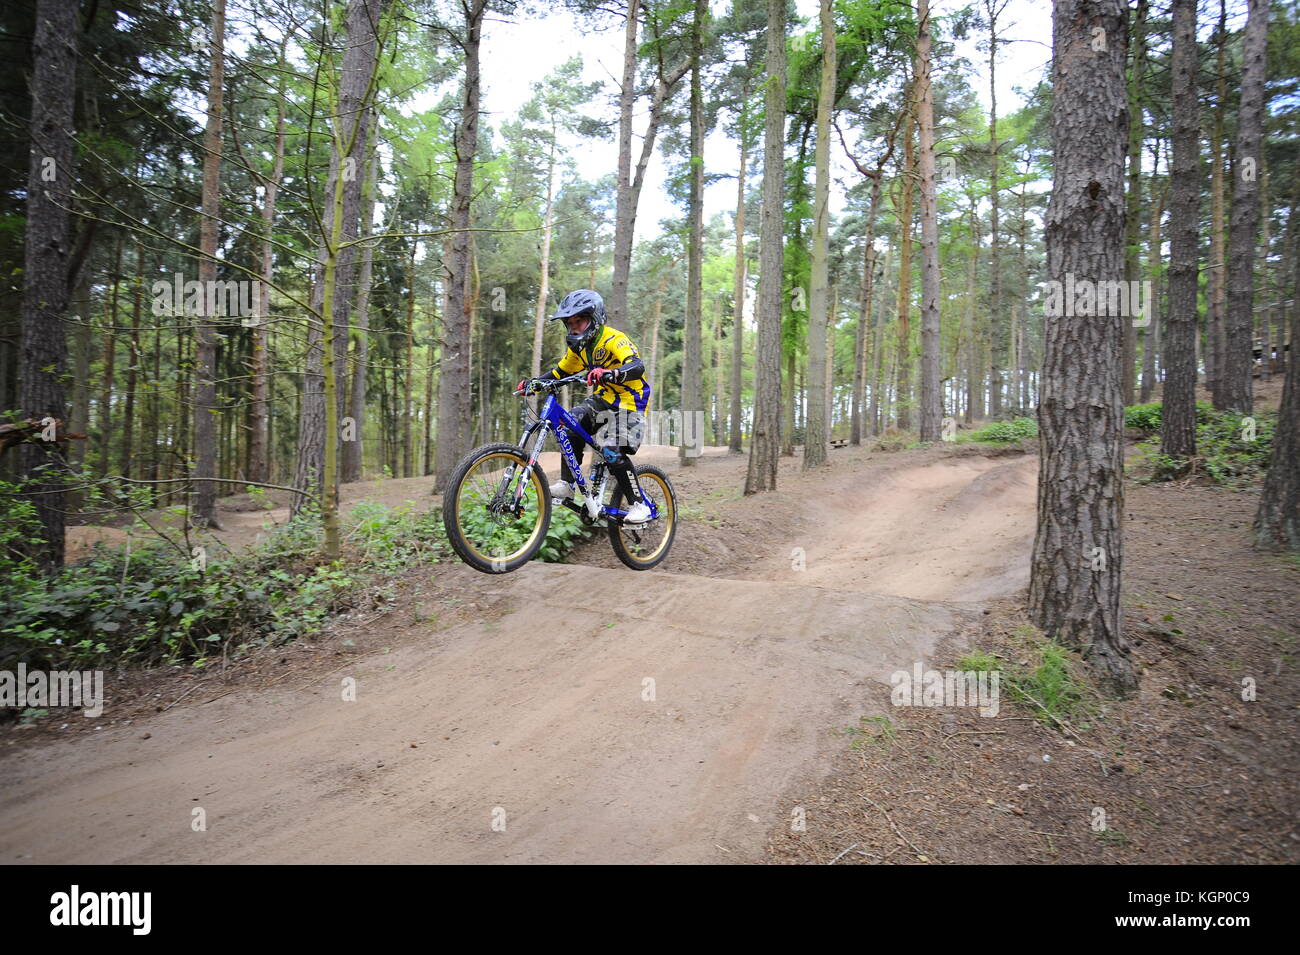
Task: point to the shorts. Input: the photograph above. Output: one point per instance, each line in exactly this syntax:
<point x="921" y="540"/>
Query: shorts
<point x="611" y="427"/>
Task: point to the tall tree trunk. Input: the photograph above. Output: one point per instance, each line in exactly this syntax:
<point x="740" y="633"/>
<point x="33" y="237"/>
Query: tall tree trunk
<point x="625" y="206"/>
<point x="544" y="280"/>
<point x="354" y="451"/>
<point x="133" y="364"/>
<point x="1217" y="273"/>
<point x="1265" y="365"/>
<point x="45" y="266"/>
<point x="931" y="401"/>
<point x="454" y="373"/>
<point x="1178" y="407"/>
<point x="816" y="439"/>
<point x="692" y="364"/>
<point x="1238" y="362"/>
<point x="765" y="444"/>
<point x="83" y="340"/>
<point x="319" y="431"/>
<point x="996" y="344"/>
<point x="877" y="347"/>
<point x="974" y="368"/>
<point x="630" y="180"/>
<point x="205" y="388"/>
<point x="426" y="428"/>
<point x="259" y="454"/>
<point x="110" y="367"/>
<point x="1074" y="589"/>
<point x="738" y="290"/>
<point x="408" y="363"/>
<point x="1133" y="211"/>
<point x="1277" y="522"/>
<point x="903" y="392"/>
<point x="1151" y="335"/>
<point x="652" y="366"/>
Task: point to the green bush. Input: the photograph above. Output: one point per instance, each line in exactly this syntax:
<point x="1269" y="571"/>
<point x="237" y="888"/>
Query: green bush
<point x="1002" y="432"/>
<point x="155" y="605"/>
<point x="1227" y="451"/>
<point x="1143" y="417"/>
<point x="1147" y="417"/>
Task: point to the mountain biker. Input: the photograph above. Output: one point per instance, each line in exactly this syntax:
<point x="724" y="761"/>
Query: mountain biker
<point x="614" y="414"/>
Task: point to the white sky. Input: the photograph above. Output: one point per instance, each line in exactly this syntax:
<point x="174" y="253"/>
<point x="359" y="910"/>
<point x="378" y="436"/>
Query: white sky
<point x="535" y="47"/>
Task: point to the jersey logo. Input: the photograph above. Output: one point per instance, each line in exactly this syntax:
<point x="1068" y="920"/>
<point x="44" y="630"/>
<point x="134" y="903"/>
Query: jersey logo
<point x="600" y="353"/>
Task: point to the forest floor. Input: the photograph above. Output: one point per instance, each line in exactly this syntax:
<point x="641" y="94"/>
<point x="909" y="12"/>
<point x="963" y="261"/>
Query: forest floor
<point x="732" y="705"/>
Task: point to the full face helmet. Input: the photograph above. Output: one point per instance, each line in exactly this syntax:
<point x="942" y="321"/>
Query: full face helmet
<point x="582" y="302"/>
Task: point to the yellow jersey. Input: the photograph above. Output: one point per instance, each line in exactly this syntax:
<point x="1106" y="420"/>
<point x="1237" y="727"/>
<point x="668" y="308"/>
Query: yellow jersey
<point x="610" y="350"/>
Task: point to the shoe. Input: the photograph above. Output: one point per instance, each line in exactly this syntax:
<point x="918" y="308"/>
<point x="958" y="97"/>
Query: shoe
<point x="638" y="513"/>
<point x="561" y="490"/>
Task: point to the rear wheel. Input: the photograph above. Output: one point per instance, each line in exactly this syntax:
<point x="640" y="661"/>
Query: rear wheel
<point x="496" y="510"/>
<point x="642" y="546"/>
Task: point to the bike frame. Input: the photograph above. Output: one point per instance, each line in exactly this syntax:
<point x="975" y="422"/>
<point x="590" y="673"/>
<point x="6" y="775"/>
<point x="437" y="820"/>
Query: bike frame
<point x="555" y="419"/>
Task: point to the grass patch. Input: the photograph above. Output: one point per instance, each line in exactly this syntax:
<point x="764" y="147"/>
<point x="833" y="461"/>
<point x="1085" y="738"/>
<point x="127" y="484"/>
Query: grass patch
<point x="872" y="731"/>
<point x="1046" y="679"/>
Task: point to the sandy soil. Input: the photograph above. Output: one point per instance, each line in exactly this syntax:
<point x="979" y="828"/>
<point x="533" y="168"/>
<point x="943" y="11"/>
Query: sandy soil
<point x="596" y="714"/>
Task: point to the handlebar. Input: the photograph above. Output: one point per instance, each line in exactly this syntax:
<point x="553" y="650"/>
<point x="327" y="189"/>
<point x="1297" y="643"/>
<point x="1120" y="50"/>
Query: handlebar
<point x="542" y="384"/>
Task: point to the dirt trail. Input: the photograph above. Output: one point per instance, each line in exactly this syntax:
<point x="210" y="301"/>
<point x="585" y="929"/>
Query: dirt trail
<point x="605" y="716"/>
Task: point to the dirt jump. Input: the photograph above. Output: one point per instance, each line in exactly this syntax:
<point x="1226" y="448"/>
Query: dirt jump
<point x="564" y="713"/>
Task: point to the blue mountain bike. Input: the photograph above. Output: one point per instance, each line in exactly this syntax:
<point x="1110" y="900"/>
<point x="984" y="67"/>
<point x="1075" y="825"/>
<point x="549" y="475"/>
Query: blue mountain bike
<point x="497" y="505"/>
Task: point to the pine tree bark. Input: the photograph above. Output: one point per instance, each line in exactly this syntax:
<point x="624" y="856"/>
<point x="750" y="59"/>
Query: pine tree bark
<point x="1074" y="590"/>
<point x="259" y="459"/>
<point x="1239" y="344"/>
<point x="1217" y="272"/>
<point x="1277" y="521"/>
<point x="45" y="266"/>
<point x="1178" y="408"/>
<point x="132" y="365"/>
<point x="816" y="441"/>
<point x="1133" y="213"/>
<point x="454" y="372"/>
<point x="692" y="363"/>
<point x="903" y="359"/>
<point x="996" y="345"/>
<point x="205" y="371"/>
<point x="765" y="445"/>
<point x="931" y="401"/>
<point x="738" y="291"/>
<point x="1151" y="335"/>
<point x="354" y="450"/>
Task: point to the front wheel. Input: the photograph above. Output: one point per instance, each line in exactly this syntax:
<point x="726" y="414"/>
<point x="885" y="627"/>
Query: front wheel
<point x="642" y="546"/>
<point x="496" y="510"/>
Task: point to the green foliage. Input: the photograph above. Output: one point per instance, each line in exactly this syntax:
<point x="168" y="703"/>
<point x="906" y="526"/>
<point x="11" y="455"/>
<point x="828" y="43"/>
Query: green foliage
<point x="1143" y="417"/>
<point x="1045" y="680"/>
<point x="1147" y="417"/>
<point x="1002" y="432"/>
<point x="1230" y="450"/>
<point x="155" y="605"/>
<point x="1228" y="456"/>
<point x="565" y="532"/>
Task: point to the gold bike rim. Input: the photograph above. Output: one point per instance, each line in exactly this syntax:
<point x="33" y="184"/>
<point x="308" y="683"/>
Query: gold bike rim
<point x="491" y="487"/>
<point x="666" y="518"/>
